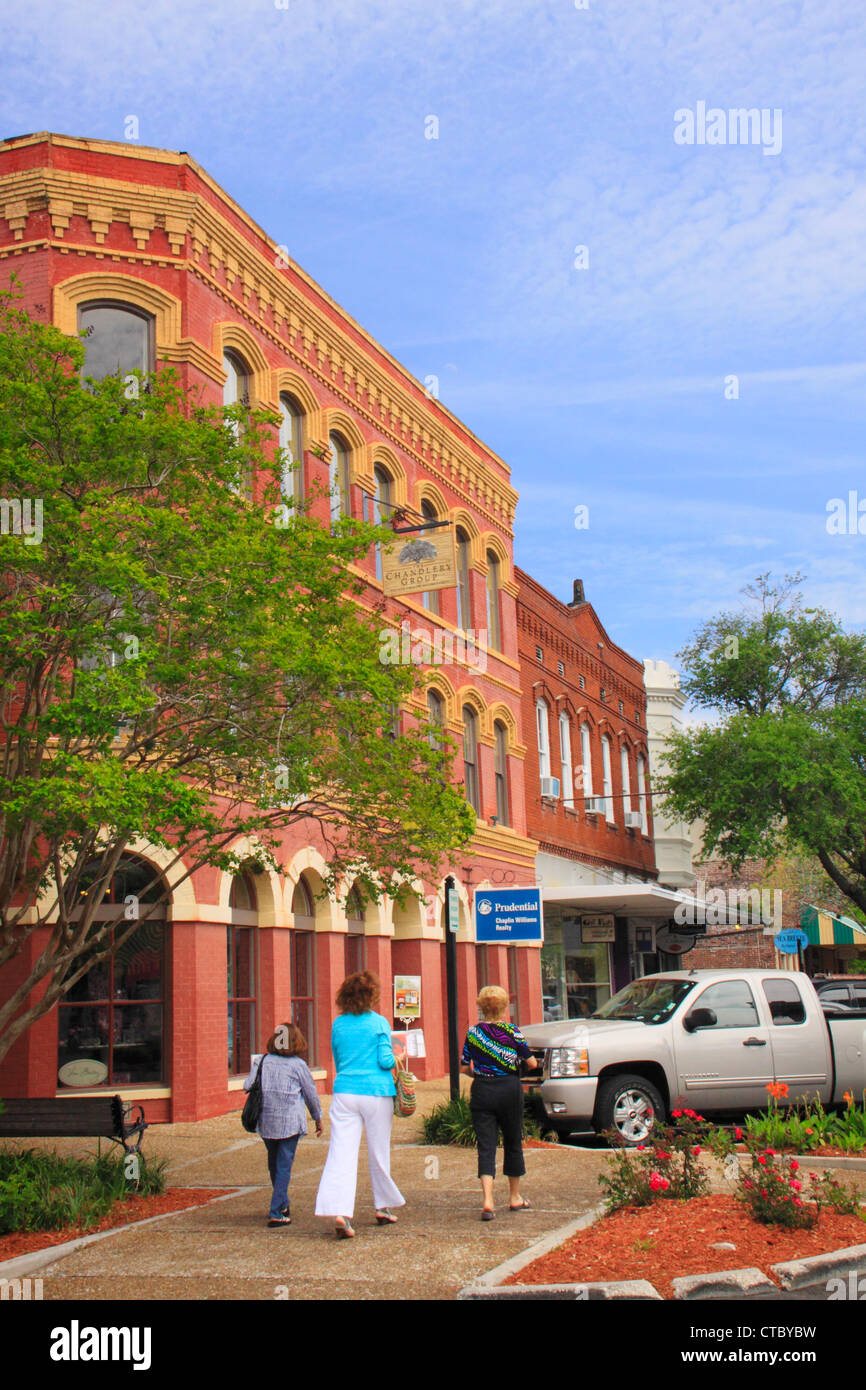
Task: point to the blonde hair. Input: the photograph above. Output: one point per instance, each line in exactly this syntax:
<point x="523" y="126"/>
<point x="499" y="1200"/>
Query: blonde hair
<point x="492" y="1001"/>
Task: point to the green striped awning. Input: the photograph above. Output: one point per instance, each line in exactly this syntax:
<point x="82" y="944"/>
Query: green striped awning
<point x="823" y="929"/>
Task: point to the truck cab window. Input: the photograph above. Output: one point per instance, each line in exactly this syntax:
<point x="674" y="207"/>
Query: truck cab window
<point x="732" y="1002"/>
<point x="785" y="1002"/>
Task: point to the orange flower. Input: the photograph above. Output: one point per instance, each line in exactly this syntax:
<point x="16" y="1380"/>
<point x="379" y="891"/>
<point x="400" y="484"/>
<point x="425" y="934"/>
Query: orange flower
<point x="778" y="1090"/>
<point x="848" y="1099"/>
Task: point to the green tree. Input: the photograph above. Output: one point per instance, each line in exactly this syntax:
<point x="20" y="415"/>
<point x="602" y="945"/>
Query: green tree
<point x="182" y="662"/>
<point x="780" y="768"/>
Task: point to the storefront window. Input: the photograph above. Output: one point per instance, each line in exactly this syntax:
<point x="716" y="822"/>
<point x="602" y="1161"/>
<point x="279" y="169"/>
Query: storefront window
<point x="355" y="939"/>
<point x="110" y="1023"/>
<point x="303" y="967"/>
<point x="575" y="977"/>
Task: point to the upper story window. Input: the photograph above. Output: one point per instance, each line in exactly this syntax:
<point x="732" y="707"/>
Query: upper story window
<point x="236" y="388"/>
<point x="382" y="499"/>
<point x="560" y="666"/>
<point x="581" y="680"/>
<point x="430" y="600"/>
<point x="621" y="707"/>
<point x="436" y="715"/>
<point x="626" y="779"/>
<point x="464" y="597"/>
<point x="338" y="477"/>
<point x="586" y="759"/>
<point x="501" y="769"/>
<point x="120" y="339"/>
<point x="565" y="758"/>
<point x="543" y="731"/>
<point x="470" y="758"/>
<point x="292" y="445"/>
<point x="539" y="654"/>
<point x="493" y="633"/>
<point x="602" y="694"/>
<point x="607" y="776"/>
<point x="641" y="796"/>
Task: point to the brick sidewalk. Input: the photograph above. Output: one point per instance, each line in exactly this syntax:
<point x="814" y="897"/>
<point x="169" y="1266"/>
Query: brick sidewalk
<point x="225" y="1250"/>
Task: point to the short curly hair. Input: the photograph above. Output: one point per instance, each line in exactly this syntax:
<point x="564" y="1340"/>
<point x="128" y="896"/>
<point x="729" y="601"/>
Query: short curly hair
<point x="359" y="993"/>
<point x="492" y="1001"/>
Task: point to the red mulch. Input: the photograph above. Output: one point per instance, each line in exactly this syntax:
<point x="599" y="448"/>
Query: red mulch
<point x="682" y="1235"/>
<point x="539" y="1144"/>
<point x="122" y="1214"/>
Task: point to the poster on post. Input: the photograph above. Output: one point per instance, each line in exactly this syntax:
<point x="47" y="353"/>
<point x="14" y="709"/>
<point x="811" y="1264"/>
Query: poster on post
<point x="407" y="997"/>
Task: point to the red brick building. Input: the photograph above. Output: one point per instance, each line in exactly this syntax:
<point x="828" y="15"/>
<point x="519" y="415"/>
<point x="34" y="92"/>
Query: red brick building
<point x="587" y="800"/>
<point x="142" y="247"/>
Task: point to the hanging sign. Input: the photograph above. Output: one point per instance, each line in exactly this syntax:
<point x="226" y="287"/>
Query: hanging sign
<point x="506" y="915"/>
<point x="598" y="928"/>
<point x="419" y="563"/>
<point x="673" y="943"/>
<point x="788" y="942"/>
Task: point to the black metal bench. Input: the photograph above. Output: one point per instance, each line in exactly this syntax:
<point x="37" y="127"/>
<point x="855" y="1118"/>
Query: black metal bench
<point x="87" y="1117"/>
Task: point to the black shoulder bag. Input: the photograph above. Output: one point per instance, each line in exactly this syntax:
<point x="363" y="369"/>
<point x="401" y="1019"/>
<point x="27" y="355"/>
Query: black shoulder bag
<point x="253" y="1104"/>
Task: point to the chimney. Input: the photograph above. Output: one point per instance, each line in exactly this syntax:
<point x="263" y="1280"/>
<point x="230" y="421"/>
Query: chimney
<point x="579" y="596"/>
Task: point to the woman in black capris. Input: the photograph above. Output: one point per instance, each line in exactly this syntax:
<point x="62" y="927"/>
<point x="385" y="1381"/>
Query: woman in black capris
<point x="492" y="1054"/>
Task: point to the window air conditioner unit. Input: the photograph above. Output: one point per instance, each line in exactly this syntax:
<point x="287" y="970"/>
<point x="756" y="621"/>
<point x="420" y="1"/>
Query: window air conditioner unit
<point x="632" y="820"/>
<point x="550" y="787"/>
<point x="595" y="805"/>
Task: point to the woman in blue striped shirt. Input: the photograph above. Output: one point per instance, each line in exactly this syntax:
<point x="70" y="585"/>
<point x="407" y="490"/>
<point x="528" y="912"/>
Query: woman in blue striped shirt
<point x="492" y="1054"/>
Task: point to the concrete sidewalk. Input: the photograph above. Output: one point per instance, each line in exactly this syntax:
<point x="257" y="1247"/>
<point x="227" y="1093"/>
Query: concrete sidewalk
<point x="226" y="1251"/>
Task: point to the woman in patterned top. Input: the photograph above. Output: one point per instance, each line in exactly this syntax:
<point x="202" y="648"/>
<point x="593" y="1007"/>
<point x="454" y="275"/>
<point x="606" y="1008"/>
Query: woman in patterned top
<point x="492" y="1054"/>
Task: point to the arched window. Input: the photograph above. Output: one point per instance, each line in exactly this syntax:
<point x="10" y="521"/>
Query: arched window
<point x="470" y="758"/>
<point x="500" y="751"/>
<point x="626" y="779"/>
<point x="431" y="600"/>
<point x="436" y="715"/>
<point x="543" y="733"/>
<point x="383" y="509"/>
<point x="236" y="388"/>
<point x="292" y="445"/>
<point x="120" y="339"/>
<point x="586" y="759"/>
<point x="241" y="975"/>
<point x="565" y="759"/>
<point x="493" y="633"/>
<point x="464" y="597"/>
<point x="110" y="1026"/>
<point x="607" y="776"/>
<point x="303" y="964"/>
<point x="641" y="796"/>
<point x="338" y="477"/>
<point x="355" y="939"/>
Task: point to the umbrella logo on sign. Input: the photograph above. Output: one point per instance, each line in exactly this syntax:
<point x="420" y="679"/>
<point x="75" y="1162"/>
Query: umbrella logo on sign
<point x="485" y="908"/>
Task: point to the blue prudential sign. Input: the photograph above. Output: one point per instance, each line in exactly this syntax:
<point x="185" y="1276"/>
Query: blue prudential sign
<point x="507" y="915"/>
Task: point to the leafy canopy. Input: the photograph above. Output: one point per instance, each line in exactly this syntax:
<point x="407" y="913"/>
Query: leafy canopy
<point x="182" y="661"/>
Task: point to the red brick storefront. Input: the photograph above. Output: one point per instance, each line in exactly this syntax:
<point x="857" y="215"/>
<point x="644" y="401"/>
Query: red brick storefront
<point x="92" y="228"/>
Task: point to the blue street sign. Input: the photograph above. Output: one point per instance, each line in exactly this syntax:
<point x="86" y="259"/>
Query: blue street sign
<point x="789" y="940"/>
<point x="505" y="915"/>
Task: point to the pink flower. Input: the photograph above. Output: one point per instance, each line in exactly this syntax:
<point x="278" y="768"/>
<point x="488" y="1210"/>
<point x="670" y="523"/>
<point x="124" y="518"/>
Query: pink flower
<point x="676" y="1114"/>
<point x="762" y="1160"/>
<point x="798" y="1202"/>
<point x="658" y="1183"/>
<point x="738" y="1134"/>
<point x="763" y="1192"/>
<point x="793" y="1165"/>
<point x="797" y="1186"/>
<point x="696" y="1150"/>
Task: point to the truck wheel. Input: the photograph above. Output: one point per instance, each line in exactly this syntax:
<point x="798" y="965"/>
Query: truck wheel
<point x="631" y="1105"/>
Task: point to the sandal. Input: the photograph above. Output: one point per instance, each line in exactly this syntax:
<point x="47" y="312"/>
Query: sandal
<point x="487" y="1215"/>
<point x="279" y="1221"/>
<point x="343" y="1228"/>
<point x="524" y="1206"/>
<point x="384" y="1217"/>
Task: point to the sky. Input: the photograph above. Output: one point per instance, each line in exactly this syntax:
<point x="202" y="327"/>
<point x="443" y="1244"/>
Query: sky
<point x="667" y="333"/>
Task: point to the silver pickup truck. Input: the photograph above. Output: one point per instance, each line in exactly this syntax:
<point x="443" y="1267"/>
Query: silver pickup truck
<point x="709" y="1040"/>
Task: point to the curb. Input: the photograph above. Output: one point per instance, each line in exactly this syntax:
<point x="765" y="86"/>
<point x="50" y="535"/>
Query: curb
<point x="614" y="1290"/>
<point x="495" y="1277"/>
<point x="818" y="1269"/>
<point x="22" y="1265"/>
<point x="724" y="1283"/>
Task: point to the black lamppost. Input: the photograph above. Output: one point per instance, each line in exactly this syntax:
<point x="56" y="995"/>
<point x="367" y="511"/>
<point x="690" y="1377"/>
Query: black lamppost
<point x="451" y="924"/>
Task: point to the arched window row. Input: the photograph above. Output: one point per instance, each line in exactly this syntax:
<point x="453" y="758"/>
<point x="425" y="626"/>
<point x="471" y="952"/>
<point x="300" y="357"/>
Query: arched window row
<point x="574" y="764"/>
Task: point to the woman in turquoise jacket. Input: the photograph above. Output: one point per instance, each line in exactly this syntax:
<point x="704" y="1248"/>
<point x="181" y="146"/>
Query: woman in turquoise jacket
<point x="363" y="1102"/>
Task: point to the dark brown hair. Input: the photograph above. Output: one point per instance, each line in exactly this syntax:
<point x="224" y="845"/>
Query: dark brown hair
<point x="287" y="1041"/>
<point x="358" y="993"/>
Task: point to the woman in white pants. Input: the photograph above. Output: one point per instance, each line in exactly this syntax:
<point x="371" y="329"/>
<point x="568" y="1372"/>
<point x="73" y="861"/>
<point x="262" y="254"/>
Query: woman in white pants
<point x="363" y="1100"/>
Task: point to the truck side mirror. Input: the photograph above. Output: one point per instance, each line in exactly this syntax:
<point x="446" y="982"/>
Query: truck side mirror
<point x="699" y="1018"/>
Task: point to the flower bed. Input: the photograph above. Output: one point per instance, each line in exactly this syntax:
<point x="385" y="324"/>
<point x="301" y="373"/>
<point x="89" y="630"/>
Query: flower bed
<point x="123" y="1213"/>
<point x="670" y="1238"/>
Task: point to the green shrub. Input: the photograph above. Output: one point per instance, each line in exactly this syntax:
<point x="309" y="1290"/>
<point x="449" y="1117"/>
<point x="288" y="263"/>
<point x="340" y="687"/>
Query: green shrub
<point x="42" y="1191"/>
<point x="668" y="1167"/>
<point x="451" y="1123"/>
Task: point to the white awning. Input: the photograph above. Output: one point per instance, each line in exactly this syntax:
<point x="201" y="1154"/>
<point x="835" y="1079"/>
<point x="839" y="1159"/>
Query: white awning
<point x="636" y="900"/>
